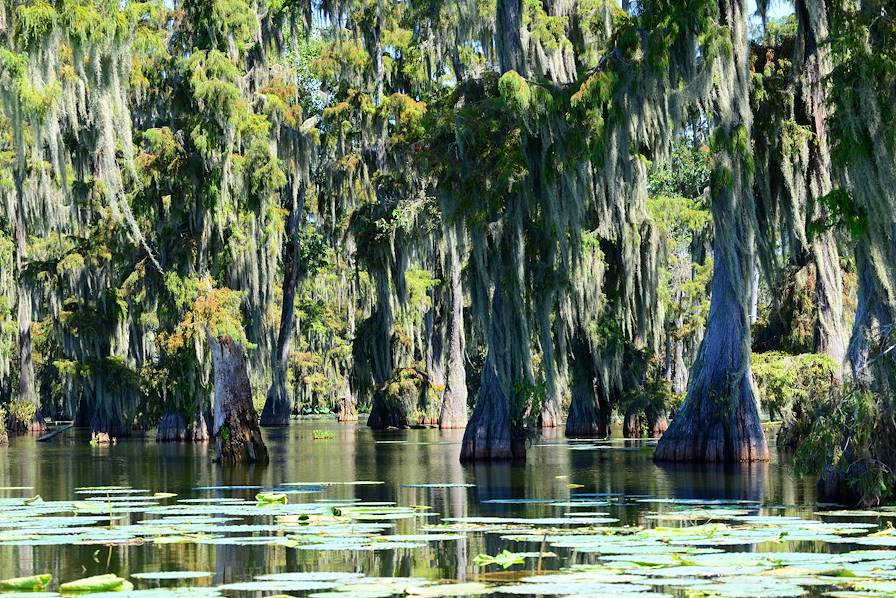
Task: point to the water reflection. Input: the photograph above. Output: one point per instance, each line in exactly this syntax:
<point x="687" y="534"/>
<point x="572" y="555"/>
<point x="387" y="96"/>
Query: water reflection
<point x="556" y="469"/>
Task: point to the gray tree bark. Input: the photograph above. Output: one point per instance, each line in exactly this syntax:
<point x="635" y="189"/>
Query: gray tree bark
<point x="174" y="427"/>
<point x="384" y="412"/>
<point x="550" y="410"/>
<point x="27" y="392"/>
<point x="492" y="434"/>
<point x="509" y="24"/>
<point x="346" y="404"/>
<point x="235" y="422"/>
<point x="454" y="401"/>
<point x="830" y="337"/>
<point x="278" y="404"/>
<point x="589" y="409"/>
<point x="489" y="435"/>
<point x="679" y="368"/>
<point x="719" y="420"/>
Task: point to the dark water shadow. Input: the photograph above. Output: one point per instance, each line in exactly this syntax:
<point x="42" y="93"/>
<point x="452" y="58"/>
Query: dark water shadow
<point x="716" y="481"/>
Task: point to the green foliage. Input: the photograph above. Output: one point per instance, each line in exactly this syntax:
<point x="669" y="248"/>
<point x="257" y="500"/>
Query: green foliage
<point x="214" y="311"/>
<point x="776" y="30"/>
<point x="654" y="397"/>
<point x="526" y="403"/>
<point x="34" y="22"/>
<point x="515" y="91"/>
<point x="793" y="386"/>
<point x="843" y="436"/>
<point x="841" y="212"/>
<point x="21" y="412"/>
<point x="684" y="174"/>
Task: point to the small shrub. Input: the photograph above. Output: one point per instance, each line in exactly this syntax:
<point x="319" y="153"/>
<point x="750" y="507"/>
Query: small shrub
<point x="21" y="412"/>
<point x="791" y="388"/>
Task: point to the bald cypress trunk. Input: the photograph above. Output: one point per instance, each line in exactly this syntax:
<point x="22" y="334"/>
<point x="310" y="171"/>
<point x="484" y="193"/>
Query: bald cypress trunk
<point x="829" y="335"/>
<point x="550" y="410"/>
<point x="492" y="433"/>
<point x="453" y="413"/>
<point x="26" y="390"/>
<point x="489" y="435"/>
<point x="385" y="411"/>
<point x="509" y="24"/>
<point x="175" y="427"/>
<point x="589" y="409"/>
<point x="278" y="404"/>
<point x="679" y="368"/>
<point x="795" y="173"/>
<point x="860" y="466"/>
<point x="872" y="372"/>
<point x="631" y="425"/>
<point x="346" y="404"/>
<point x="235" y="422"/>
<point x="719" y="420"/>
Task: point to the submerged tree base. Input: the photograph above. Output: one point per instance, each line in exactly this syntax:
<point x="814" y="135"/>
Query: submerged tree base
<point x="488" y="436"/>
<point x="236" y="430"/>
<point x="278" y="406"/>
<point x="346" y="409"/>
<point x="35" y="425"/>
<point x="708" y="428"/>
<point x="387" y="412"/>
<point x="175" y="428"/>
<point x="102" y="439"/>
<point x="407" y="400"/>
<point x="834" y="486"/>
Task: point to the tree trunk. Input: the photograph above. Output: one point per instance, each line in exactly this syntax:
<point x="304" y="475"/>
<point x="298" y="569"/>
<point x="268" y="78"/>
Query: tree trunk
<point x="174" y="427"/>
<point x="719" y="420"/>
<point x="278" y="404"/>
<point x="346" y="404"/>
<point x="679" y="368"/>
<point x="657" y="422"/>
<point x="389" y="411"/>
<point x="27" y="391"/>
<point x="589" y="410"/>
<point x="830" y="337"/>
<point x="454" y="401"/>
<point x="492" y="434"/>
<point x="489" y="435"/>
<point x="385" y="411"/>
<point x="872" y="319"/>
<point x="589" y="416"/>
<point x="828" y="333"/>
<point x="235" y="422"/>
<point x="754" y="295"/>
<point x="509" y="25"/>
<point x="550" y="409"/>
<point x="631" y="425"/>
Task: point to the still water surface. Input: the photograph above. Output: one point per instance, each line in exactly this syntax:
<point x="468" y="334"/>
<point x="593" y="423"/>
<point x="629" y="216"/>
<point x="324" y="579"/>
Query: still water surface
<point x="556" y="469"/>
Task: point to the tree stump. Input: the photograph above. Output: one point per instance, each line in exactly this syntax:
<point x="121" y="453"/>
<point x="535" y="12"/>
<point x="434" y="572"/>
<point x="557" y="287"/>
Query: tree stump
<point x="235" y="422"/>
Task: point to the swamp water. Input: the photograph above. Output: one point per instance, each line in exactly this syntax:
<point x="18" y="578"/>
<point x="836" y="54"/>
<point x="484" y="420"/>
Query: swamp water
<point x="358" y="514"/>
